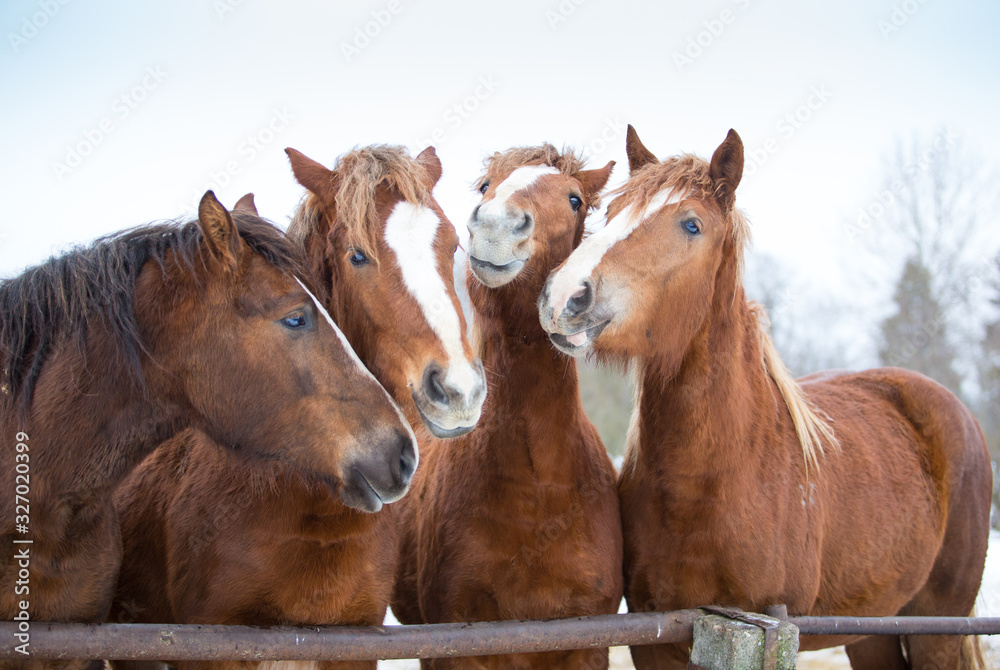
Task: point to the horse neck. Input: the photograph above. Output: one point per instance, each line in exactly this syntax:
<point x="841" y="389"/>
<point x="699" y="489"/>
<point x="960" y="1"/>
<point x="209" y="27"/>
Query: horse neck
<point x="92" y="411"/>
<point x="704" y="420"/>
<point x="533" y="410"/>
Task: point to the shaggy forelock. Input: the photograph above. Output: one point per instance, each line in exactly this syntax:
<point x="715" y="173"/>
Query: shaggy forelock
<point x="359" y="173"/>
<point x="686" y="175"/>
<point x="501" y="164"/>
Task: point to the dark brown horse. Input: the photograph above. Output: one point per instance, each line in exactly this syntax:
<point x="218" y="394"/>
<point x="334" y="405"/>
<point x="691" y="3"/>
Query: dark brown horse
<point x="109" y="350"/>
<point x="844" y="494"/>
<point x="520" y="518"/>
<point x="209" y="539"/>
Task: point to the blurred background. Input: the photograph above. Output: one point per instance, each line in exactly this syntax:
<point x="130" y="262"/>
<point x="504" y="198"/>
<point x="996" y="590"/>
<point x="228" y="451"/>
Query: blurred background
<point x="869" y="129"/>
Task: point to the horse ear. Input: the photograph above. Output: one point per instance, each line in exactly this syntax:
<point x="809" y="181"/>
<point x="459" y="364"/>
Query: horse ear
<point x="594" y="180"/>
<point x="638" y="155"/>
<point x="726" y="170"/>
<point x="218" y="230"/>
<point x="429" y="159"/>
<point x="246" y="204"/>
<point x="319" y="180"/>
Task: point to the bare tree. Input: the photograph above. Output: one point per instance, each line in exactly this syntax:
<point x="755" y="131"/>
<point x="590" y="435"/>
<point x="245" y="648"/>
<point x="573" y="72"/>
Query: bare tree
<point x="926" y="228"/>
<point x="929" y="208"/>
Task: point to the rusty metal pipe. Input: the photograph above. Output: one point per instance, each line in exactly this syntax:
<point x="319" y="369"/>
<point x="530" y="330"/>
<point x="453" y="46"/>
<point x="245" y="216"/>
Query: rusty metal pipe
<point x="903" y="625"/>
<point x="191" y="642"/>
<point x="341" y="643"/>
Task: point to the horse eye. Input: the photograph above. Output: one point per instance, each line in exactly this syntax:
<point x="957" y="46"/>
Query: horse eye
<point x="484" y="187"/>
<point x="691" y="225"/>
<point x="358" y="258"/>
<point x="295" y="321"/>
<point x="575" y="202"/>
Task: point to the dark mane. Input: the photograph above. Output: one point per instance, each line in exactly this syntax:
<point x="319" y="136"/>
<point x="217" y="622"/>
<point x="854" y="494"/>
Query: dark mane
<point x="57" y="301"/>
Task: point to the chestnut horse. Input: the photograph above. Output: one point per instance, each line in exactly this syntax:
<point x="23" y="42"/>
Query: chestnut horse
<point x="385" y="253"/>
<point x="519" y="520"/>
<point x="211" y="540"/>
<point x="109" y="350"/>
<point x="861" y="494"/>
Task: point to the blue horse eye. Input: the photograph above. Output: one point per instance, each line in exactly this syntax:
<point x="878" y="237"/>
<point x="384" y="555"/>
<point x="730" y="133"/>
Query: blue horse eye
<point x="295" y="321"/>
<point x="357" y="258"/>
<point x="692" y="226"/>
<point x="575" y="202"/>
<point x="485" y="186"/>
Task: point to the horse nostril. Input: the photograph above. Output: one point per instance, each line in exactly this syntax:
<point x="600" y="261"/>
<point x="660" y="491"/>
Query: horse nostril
<point x="582" y="300"/>
<point x="526" y="226"/>
<point x="475" y="212"/>
<point x="434" y="388"/>
<point x="407" y="459"/>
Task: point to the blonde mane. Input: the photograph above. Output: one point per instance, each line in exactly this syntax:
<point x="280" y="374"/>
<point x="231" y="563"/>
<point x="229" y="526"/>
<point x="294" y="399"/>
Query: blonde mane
<point x="812" y="429"/>
<point x="684" y="174"/>
<point x="690" y="175"/>
<point x="358" y="174"/>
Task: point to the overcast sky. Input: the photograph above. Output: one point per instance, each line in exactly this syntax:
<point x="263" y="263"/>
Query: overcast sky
<point x="116" y="113"/>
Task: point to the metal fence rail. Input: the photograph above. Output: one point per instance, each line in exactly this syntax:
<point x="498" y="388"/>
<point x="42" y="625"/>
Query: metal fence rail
<point x="244" y="643"/>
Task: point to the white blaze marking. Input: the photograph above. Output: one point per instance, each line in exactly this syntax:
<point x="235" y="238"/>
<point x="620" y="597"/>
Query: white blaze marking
<point x="410" y="231"/>
<point x="361" y="366"/>
<point x="518" y="180"/>
<point x="581" y="263"/>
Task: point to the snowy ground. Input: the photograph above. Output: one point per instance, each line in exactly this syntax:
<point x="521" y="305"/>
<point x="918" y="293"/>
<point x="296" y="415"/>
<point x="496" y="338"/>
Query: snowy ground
<point x="830" y="659"/>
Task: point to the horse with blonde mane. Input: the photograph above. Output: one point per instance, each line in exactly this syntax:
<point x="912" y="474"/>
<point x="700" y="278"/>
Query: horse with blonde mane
<point x="863" y="494"/>
<point x="384" y="252"/>
<point x="211" y="540"/>
<point x="519" y="519"/>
